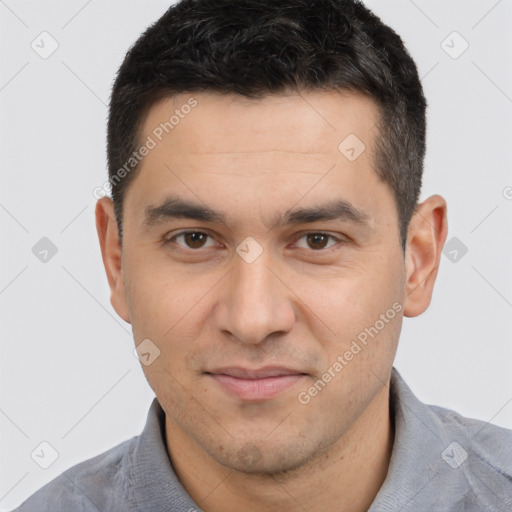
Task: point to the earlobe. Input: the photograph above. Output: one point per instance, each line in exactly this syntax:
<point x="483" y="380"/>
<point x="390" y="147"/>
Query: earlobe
<point x="108" y="235"/>
<point x="426" y="237"/>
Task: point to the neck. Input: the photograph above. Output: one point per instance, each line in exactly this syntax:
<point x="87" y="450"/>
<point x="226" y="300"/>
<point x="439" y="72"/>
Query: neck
<point x="349" y="474"/>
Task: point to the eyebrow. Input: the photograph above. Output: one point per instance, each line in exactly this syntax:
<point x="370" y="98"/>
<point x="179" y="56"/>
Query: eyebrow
<point x="174" y="207"/>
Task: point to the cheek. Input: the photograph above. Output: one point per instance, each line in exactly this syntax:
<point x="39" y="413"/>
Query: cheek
<point x="350" y="300"/>
<point x="161" y="301"/>
<point x="173" y="310"/>
<point x="363" y="312"/>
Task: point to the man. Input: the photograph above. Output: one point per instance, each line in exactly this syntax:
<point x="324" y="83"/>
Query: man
<point x="264" y="239"/>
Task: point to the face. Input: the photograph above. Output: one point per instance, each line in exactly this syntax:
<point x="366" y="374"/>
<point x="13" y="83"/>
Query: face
<point x="262" y="257"/>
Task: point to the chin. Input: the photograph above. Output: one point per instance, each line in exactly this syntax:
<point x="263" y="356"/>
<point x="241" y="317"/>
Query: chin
<point x="263" y="458"/>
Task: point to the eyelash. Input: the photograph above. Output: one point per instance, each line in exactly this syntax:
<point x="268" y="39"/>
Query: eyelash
<point x="172" y="239"/>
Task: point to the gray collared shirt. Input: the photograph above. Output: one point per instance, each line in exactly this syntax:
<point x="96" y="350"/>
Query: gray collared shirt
<point x="441" y="461"/>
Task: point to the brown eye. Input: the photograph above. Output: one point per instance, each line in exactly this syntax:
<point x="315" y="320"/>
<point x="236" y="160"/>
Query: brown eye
<point x="192" y="240"/>
<point x="195" y="240"/>
<point x="317" y="240"/>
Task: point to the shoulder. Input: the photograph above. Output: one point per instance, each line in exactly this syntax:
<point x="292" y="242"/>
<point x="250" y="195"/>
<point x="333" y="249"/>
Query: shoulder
<point x="482" y="441"/>
<point x="486" y="444"/>
<point x="446" y="460"/>
<point x="477" y="459"/>
<point x="92" y="485"/>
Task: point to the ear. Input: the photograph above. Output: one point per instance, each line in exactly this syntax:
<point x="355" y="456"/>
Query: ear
<point x="426" y="236"/>
<point x="108" y="235"/>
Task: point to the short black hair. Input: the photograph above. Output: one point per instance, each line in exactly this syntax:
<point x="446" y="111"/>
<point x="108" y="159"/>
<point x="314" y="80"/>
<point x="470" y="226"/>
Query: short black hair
<point x="255" y="48"/>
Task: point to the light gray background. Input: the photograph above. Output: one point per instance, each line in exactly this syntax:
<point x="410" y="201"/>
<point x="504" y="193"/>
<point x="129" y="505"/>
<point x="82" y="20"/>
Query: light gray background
<point x="68" y="374"/>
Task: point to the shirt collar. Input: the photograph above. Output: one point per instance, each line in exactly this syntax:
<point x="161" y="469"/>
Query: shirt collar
<point x="152" y="483"/>
<point x="416" y="456"/>
<point x="415" y="471"/>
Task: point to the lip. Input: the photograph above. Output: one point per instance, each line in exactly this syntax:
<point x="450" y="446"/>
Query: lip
<point x="255" y="384"/>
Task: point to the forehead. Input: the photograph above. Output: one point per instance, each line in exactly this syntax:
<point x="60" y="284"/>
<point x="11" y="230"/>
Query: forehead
<point x="260" y="155"/>
<point x="303" y="123"/>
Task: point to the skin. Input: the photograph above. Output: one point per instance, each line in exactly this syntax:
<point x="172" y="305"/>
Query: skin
<point x="300" y="304"/>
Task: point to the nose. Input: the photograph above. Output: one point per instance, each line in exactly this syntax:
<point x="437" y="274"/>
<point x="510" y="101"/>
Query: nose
<point x="255" y="302"/>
